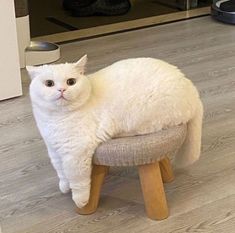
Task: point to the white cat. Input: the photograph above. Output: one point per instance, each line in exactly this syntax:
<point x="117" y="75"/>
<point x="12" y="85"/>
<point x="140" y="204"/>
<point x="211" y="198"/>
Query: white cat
<point x="75" y="113"/>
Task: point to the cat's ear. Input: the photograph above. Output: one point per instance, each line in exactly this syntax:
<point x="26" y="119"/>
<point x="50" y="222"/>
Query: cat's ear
<point x="81" y="64"/>
<point x="33" y="71"/>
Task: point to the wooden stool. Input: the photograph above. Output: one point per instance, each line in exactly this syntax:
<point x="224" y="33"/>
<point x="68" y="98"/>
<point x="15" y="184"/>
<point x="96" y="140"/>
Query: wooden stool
<point x="148" y="152"/>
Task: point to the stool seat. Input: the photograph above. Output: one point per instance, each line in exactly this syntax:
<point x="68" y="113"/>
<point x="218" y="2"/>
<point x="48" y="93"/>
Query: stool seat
<point x="141" y="149"/>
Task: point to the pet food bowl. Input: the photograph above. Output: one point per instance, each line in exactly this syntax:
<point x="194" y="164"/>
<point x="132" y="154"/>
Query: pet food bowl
<point x="38" y="53"/>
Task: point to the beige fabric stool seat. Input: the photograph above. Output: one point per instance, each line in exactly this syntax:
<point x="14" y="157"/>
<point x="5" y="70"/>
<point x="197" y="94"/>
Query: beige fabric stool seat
<point x="151" y="154"/>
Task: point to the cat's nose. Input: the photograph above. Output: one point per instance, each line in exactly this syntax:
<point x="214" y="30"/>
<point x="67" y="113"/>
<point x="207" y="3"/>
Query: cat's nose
<point x="62" y="90"/>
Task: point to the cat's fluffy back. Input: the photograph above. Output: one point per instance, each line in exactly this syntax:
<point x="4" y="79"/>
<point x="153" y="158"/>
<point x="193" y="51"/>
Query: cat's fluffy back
<point x="140" y="75"/>
<point x="136" y="69"/>
<point x="145" y="89"/>
<point x="141" y="78"/>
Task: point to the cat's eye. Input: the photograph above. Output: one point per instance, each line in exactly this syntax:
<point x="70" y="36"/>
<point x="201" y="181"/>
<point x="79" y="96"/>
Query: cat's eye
<point x="71" y="81"/>
<point x="49" y="83"/>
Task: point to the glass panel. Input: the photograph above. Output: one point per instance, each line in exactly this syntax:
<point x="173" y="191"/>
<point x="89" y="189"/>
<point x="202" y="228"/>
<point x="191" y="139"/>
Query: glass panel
<point x="50" y="17"/>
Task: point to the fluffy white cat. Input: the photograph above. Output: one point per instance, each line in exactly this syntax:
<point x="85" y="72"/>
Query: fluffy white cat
<point x="75" y="113"/>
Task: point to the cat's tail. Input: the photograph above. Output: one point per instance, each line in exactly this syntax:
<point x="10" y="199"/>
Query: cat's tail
<point x="191" y="148"/>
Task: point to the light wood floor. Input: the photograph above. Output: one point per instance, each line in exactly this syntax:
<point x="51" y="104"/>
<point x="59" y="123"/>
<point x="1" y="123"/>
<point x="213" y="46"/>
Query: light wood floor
<point x="202" y="197"/>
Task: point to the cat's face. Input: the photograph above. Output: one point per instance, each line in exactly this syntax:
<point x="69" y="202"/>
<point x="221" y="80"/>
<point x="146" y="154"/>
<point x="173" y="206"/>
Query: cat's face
<point x="59" y="87"/>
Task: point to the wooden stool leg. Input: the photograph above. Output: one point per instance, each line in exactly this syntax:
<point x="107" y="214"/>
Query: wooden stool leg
<point x="153" y="191"/>
<point x="166" y="170"/>
<point x="98" y="174"/>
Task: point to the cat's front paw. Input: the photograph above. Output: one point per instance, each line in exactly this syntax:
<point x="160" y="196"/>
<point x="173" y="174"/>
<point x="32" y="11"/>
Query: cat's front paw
<point x="81" y="198"/>
<point x="64" y="186"/>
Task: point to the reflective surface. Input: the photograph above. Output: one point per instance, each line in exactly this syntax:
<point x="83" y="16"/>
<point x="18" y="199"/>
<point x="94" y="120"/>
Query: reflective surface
<point x="41" y="46"/>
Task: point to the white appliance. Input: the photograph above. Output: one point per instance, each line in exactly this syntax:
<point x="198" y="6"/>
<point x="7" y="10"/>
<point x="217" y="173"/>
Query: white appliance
<point x="10" y="80"/>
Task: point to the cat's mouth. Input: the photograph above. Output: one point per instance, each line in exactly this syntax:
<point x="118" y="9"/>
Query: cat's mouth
<point x="61" y="97"/>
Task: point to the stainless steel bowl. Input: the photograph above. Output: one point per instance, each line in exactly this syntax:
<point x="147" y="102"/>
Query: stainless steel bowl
<point x="41" y="46"/>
